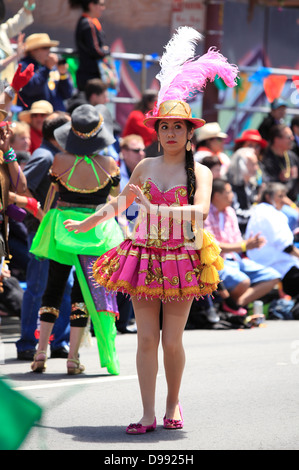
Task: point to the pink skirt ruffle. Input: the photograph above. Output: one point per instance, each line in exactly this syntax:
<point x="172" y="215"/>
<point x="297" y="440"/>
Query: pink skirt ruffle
<point x="147" y="272"/>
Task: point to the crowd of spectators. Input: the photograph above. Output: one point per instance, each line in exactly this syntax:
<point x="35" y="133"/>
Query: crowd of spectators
<point x="254" y="211"/>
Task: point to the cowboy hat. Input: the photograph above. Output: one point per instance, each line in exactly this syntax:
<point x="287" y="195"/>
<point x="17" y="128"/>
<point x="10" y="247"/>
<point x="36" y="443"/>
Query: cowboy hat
<point x="38" y="107"/>
<point x="252" y="135"/>
<point x="89" y="131"/>
<point x="35" y="41"/>
<point x="172" y="109"/>
<point x="210" y="131"/>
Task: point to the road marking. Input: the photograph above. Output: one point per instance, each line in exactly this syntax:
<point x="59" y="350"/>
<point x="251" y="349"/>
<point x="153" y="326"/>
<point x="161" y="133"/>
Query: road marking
<point x="73" y="382"/>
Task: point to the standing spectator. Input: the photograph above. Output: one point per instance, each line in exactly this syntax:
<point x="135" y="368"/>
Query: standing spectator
<point x="35" y="118"/>
<point x="38" y="52"/>
<point x="135" y="122"/>
<point x="90" y="40"/>
<point x="38" y="180"/>
<point x="276" y="116"/>
<point x="10" y="29"/>
<point x="210" y="142"/>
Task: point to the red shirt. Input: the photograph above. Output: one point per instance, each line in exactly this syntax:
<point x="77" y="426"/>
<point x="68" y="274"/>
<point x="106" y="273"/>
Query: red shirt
<point x="134" y="125"/>
<point x="36" y="139"/>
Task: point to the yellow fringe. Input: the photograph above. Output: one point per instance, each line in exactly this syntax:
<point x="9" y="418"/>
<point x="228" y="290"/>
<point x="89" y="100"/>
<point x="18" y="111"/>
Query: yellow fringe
<point x="219" y="263"/>
<point x="209" y="254"/>
<point x="209" y="275"/>
<point x="203" y="239"/>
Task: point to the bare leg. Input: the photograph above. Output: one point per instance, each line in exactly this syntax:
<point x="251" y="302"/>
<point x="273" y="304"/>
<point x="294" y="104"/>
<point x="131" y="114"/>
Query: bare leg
<point x="257" y="291"/>
<point x="148" y="336"/>
<point x="175" y="316"/>
<point x="44" y="337"/>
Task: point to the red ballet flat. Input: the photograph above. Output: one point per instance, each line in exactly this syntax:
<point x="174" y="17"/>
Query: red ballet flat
<point x="174" y="423"/>
<point x="138" y="428"/>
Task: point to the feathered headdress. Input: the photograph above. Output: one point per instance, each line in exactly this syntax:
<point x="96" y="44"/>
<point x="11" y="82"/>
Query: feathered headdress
<point x="182" y="75"/>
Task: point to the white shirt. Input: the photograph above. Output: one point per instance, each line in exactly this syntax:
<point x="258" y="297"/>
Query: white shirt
<point x="273" y="225"/>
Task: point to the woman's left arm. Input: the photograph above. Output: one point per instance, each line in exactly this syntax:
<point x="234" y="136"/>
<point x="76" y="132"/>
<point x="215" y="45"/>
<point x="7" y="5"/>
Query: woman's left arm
<point x="197" y="212"/>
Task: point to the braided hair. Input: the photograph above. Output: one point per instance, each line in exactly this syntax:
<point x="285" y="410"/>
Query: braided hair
<point x="189" y="167"/>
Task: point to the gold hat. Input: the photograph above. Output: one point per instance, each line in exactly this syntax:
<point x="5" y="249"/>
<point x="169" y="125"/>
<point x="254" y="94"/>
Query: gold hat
<point x="35" y="41"/>
<point x="38" y="107"/>
<point x="172" y="109"/>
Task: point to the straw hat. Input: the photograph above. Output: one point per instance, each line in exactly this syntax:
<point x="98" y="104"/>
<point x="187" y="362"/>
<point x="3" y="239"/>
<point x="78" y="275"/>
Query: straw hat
<point x="210" y="131"/>
<point x="252" y="135"/>
<point x="35" y="41"/>
<point x="173" y="109"/>
<point x="90" y="130"/>
<point x="38" y="107"/>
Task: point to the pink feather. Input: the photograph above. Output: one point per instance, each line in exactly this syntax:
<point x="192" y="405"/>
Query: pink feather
<point x="195" y="73"/>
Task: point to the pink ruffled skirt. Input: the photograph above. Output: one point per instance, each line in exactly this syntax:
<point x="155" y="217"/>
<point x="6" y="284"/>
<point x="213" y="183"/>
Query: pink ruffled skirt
<point x="149" y="272"/>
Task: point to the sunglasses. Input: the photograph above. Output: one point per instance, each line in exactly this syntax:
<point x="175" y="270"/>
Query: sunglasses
<point x="136" y="150"/>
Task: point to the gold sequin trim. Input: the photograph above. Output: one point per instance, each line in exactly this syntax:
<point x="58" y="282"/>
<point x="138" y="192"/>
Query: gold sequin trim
<point x="52" y="310"/>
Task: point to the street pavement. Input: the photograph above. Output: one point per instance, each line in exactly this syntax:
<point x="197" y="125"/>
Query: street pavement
<point x="240" y="391"/>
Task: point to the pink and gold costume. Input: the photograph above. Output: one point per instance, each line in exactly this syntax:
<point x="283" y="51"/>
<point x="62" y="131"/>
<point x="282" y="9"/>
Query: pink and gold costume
<point x="158" y="261"/>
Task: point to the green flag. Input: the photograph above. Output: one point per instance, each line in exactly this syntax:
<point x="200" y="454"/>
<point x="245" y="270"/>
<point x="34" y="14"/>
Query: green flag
<point x="17" y="415"/>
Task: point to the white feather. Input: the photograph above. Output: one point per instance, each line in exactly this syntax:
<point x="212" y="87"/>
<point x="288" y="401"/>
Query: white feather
<point x="179" y="49"/>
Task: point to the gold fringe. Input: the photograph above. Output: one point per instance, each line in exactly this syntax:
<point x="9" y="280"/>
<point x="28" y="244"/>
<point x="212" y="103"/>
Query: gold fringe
<point x="209" y="254"/>
<point x="209" y="275"/>
<point x="219" y="263"/>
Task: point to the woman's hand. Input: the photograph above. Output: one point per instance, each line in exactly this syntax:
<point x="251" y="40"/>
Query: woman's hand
<point x="76" y="226"/>
<point x="140" y="198"/>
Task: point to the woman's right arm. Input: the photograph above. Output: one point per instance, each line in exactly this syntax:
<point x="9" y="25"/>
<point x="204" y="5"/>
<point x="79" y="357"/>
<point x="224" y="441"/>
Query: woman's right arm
<point x="115" y="206"/>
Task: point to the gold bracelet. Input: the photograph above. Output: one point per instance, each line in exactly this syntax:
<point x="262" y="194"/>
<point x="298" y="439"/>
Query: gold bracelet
<point x="243" y="246"/>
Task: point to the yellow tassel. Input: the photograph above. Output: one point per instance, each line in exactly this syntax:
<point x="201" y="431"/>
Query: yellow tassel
<point x="209" y="255"/>
<point x="219" y="263"/>
<point x="209" y="274"/>
<point x="203" y="239"/>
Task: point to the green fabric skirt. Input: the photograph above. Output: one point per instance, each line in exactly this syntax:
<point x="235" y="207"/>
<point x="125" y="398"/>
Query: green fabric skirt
<point x="54" y="242"/>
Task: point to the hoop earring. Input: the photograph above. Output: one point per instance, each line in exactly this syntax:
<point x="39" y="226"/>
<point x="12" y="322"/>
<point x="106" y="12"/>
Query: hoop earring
<point x="188" y="145"/>
<point x="159" y="146"/>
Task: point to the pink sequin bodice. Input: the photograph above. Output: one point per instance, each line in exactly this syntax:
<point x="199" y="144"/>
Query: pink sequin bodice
<point x="161" y="232"/>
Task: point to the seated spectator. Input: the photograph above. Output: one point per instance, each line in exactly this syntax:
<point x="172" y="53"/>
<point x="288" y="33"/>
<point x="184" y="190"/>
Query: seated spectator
<point x="274" y="117"/>
<point x="280" y="164"/>
<point x="44" y="85"/>
<point x="134" y="124"/>
<point x="20" y="140"/>
<point x="245" y="279"/>
<point x="214" y="164"/>
<point x="242" y="175"/>
<point x="279" y="251"/>
<point x="209" y="141"/>
<point x="253" y="139"/>
<point x="295" y="130"/>
<point x="35" y="118"/>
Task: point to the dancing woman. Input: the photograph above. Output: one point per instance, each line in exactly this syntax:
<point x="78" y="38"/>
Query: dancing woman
<point x="84" y="180"/>
<point x="165" y="260"/>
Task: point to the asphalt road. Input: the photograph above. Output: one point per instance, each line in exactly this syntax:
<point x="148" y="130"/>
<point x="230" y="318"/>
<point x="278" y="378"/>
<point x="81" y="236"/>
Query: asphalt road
<point x="240" y="391"/>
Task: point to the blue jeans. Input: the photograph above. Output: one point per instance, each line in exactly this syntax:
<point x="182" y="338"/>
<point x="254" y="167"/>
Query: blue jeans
<point x="37" y="277"/>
